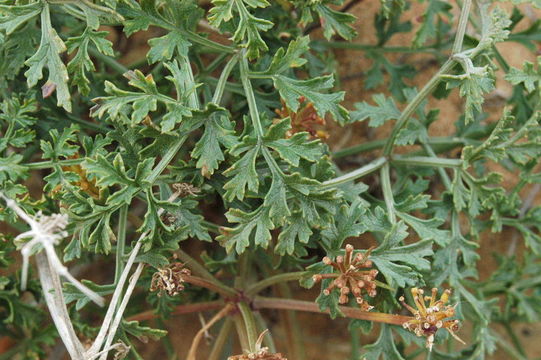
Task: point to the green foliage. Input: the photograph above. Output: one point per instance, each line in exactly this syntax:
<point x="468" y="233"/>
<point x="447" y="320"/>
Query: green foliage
<point x="215" y="134"/>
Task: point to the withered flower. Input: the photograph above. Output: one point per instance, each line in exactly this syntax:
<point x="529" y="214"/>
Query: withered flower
<point x="122" y="350"/>
<point x="169" y="279"/>
<point x="305" y="119"/>
<point x="428" y="319"/>
<point x="260" y="353"/>
<point x="352" y="277"/>
<point x="185" y="189"/>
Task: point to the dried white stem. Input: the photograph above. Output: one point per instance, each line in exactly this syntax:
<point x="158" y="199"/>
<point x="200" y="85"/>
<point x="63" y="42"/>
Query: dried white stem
<point x="122" y="307"/>
<point x="112" y="310"/>
<point x="63" y="271"/>
<point x="46" y="231"/>
<point x="98" y="342"/>
<point x="52" y="291"/>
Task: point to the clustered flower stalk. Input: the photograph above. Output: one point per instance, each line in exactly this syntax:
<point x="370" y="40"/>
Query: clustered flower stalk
<point x="429" y="318"/>
<point x="355" y="276"/>
<point x="352" y="277"/>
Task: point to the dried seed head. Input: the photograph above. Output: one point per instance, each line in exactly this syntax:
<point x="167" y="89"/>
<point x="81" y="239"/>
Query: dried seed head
<point x="429" y="318"/>
<point x="353" y="276"/>
<point x="122" y="350"/>
<point x="185" y="189"/>
<point x="169" y="279"/>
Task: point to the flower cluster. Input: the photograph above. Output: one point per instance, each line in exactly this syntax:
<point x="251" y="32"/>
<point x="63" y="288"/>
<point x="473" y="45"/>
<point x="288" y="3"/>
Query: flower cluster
<point x="169" y="279"/>
<point x="428" y="319"/>
<point x="352" y="277"/>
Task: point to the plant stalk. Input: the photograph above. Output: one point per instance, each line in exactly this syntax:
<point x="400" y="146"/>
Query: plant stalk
<point x="221" y="339"/>
<point x="275" y="279"/>
<point x="356" y="174"/>
<point x="180" y="310"/>
<point x="307" y="306"/>
<point x="211" y="285"/>
<point x="197" y="339"/>
<point x="388" y="192"/>
<point x="249" y="324"/>
<point x="431" y="161"/>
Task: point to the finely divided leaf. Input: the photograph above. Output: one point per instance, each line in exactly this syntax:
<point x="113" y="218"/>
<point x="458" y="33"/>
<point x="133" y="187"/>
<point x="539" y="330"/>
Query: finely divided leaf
<point x="385" y="110"/>
<point x="336" y="22"/>
<point x="294" y="148"/>
<point x="291" y="90"/>
<point x="427" y="229"/>
<point x="529" y="76"/>
<point x="218" y="130"/>
<point x="400" y="264"/>
<point x="13" y="16"/>
<point x="257" y="222"/>
<point x="163" y="48"/>
<point x="384" y="347"/>
<point x="244" y="175"/>
<point x="291" y="58"/>
<point x="434" y="12"/>
<point x="81" y="63"/>
<point x="48" y="54"/>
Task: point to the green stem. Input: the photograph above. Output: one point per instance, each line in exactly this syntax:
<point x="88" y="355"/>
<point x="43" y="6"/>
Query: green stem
<point x="392" y="49"/>
<point x="108" y="60"/>
<point x="514" y="339"/>
<point x="356" y="149"/>
<point x="180" y="310"/>
<point x="166" y="159"/>
<point x="444" y="176"/>
<point x="212" y="227"/>
<point x="194" y="265"/>
<point x="166" y="341"/>
<point x="221" y="339"/>
<point x="388" y="192"/>
<point x="412" y="106"/>
<point x="211" y="285"/>
<point x="249" y="92"/>
<point x="291" y="325"/>
<point x="363" y="171"/>
<point x="185" y="65"/>
<point x="431" y="161"/>
<point x="203" y="41"/>
<point x="121" y="242"/>
<point x="214" y="64"/>
<point x="89" y="125"/>
<point x="268" y="339"/>
<point x="220" y="86"/>
<point x="257" y="287"/>
<point x="50" y="164"/>
<point x="462" y="23"/>
<point x="501" y="60"/>
<point x="249" y="324"/>
<point x="439" y="143"/>
<point x="241" y="331"/>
